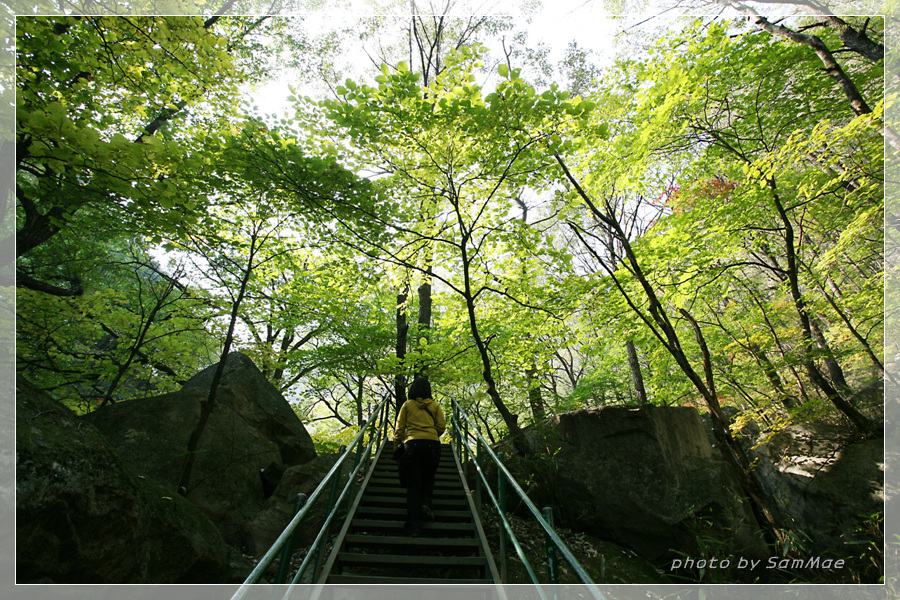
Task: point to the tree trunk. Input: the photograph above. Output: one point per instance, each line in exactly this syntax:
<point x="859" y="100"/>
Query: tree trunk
<point x="206" y="407"/>
<point x="857" y="41"/>
<point x="36" y="227"/>
<point x="832" y="68"/>
<point x="862" y="423"/>
<point x="636" y="378"/>
<point x="424" y="318"/>
<point x="358" y="399"/>
<point x="534" y="391"/>
<point x="402" y="331"/>
<point x="853" y="330"/>
<point x="518" y="438"/>
<point x="658" y="322"/>
<point x="138" y="342"/>
<point x="535" y="399"/>
<point x="789" y="401"/>
<point x="835" y="372"/>
<point x="731" y="449"/>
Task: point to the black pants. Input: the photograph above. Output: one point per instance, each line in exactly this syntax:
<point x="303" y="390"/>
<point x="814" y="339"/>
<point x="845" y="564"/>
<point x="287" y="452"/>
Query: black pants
<point x="422" y="458"/>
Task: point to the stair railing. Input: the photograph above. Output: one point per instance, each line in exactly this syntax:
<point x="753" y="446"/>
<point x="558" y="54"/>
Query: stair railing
<point x="466" y="434"/>
<point x="375" y="430"/>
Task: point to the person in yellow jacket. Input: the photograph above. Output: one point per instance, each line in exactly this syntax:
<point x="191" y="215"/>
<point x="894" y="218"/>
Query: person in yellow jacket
<point x="419" y="426"/>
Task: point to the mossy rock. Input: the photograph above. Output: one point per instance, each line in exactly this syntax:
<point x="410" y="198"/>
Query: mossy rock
<point x="86" y="515"/>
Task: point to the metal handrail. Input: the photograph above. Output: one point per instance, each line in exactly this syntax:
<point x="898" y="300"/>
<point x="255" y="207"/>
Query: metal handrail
<point x="462" y="428"/>
<point x="377" y="426"/>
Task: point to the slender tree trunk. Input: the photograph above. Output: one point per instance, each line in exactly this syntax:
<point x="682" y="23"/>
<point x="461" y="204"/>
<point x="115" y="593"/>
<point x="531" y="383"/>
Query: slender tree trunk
<point x="207" y="407"/>
<point x="535" y="399"/>
<point x="138" y="342"/>
<point x="278" y="372"/>
<point x="534" y="389"/>
<point x="801" y="386"/>
<point x="402" y="331"/>
<point x="853" y="330"/>
<point x="358" y="399"/>
<point x="731" y="449"/>
<point x="835" y="372"/>
<point x="425" y="303"/>
<point x="831" y="66"/>
<point x="659" y="324"/>
<point x="510" y="420"/>
<point x="863" y="423"/>
<point x="636" y="378"/>
<point x="788" y="400"/>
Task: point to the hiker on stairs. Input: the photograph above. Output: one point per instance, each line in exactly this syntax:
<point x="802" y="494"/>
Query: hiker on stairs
<point x="419" y="426"/>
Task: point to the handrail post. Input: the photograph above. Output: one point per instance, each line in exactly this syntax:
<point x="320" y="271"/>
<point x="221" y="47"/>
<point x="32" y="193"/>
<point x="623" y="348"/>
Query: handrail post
<point x="501" y="507"/>
<point x="453" y="422"/>
<point x="288" y="550"/>
<point x="552" y="561"/>
<point x="456" y="426"/>
<point x="465" y="443"/>
<point x="385" y="416"/>
<point x="478" y="467"/>
<point x="556" y="547"/>
<point x="357" y="459"/>
<point x="331" y="497"/>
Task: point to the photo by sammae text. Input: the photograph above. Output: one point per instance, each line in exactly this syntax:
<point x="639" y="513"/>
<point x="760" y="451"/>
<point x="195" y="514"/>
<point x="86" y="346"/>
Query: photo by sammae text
<point x="773" y="562"/>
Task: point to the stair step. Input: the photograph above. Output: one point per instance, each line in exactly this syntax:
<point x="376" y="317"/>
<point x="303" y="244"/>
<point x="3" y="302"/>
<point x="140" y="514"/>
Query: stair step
<point x="438" y="492"/>
<point x="391" y="471"/>
<point x="439" y="483"/>
<point x="389" y="445"/>
<point x="391" y="477"/>
<point x="429" y="528"/>
<point x="389" y="541"/>
<point x="440" y="515"/>
<point x="376" y="579"/>
<point x="373" y="560"/>
<point x="373" y="549"/>
<point x="393" y="500"/>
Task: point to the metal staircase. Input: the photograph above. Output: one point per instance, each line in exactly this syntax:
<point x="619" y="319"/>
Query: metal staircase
<point x="372" y="549"/>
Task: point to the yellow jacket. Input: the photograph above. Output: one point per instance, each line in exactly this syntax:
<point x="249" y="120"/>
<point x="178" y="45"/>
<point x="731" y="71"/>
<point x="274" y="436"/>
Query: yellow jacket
<point x="413" y="423"/>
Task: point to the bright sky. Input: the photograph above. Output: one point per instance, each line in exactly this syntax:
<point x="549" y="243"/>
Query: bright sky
<point x="557" y="24"/>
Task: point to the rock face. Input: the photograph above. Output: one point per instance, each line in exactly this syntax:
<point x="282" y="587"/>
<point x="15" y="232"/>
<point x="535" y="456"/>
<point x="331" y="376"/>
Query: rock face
<point x="640" y="477"/>
<point x="85" y="515"/>
<point x="826" y="485"/>
<point x="267" y="524"/>
<point x="251" y="427"/>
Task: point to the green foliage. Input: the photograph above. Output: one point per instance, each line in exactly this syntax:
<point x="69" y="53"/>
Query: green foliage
<point x="869" y="556"/>
<point x="135" y="332"/>
<point x="727" y="161"/>
<point x="447" y="173"/>
<point x="329" y="441"/>
<point x="99" y="109"/>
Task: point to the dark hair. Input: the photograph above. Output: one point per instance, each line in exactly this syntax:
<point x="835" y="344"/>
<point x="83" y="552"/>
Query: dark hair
<point x="419" y="388"/>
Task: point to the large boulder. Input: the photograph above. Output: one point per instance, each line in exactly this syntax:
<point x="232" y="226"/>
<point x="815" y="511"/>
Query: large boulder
<point x="644" y="478"/>
<point x="827" y="481"/>
<point x="251" y="427"/>
<point x="85" y="515"/>
<point x="269" y="523"/>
